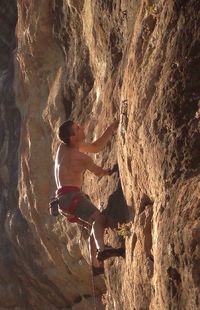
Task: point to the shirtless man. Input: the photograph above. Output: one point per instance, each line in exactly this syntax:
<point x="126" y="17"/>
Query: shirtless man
<point x="70" y="164"/>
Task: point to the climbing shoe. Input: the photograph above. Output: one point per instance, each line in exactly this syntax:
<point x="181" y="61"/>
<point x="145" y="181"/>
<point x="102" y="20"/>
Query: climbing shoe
<point x="97" y="271"/>
<point x="110" y="252"/>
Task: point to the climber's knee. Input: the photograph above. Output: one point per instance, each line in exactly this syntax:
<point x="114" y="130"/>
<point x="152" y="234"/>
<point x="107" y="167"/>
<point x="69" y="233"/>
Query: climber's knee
<point x="97" y="216"/>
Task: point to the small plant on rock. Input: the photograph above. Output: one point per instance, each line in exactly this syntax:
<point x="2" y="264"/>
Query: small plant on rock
<point x="152" y="10"/>
<point x="124" y="230"/>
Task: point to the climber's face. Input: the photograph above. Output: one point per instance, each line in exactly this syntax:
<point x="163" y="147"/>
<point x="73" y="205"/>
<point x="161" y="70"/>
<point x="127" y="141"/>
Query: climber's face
<point x="78" y="131"/>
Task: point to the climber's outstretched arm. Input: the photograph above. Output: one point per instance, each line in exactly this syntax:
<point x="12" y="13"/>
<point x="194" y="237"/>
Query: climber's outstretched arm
<point x="92" y="167"/>
<point x="100" y="143"/>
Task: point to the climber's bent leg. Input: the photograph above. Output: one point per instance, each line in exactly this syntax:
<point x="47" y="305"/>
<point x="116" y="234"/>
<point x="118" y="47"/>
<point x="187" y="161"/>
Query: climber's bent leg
<point x="76" y="203"/>
<point x="98" y="227"/>
<point x="97" y="266"/>
<point x="85" y="209"/>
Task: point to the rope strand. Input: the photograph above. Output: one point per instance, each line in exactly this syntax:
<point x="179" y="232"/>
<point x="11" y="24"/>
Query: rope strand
<point x="92" y="277"/>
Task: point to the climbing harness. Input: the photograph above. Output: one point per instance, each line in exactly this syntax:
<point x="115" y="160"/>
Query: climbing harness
<point x="69" y="211"/>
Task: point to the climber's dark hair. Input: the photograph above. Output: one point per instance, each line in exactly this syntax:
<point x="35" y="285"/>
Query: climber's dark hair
<point x="65" y="131"/>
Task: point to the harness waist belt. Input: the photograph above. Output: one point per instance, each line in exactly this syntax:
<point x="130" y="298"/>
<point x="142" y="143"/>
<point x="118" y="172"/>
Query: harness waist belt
<point x="67" y="189"/>
<point x="72" y="206"/>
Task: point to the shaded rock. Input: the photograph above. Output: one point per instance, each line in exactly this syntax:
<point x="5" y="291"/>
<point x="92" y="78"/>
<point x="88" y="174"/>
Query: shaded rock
<point x="95" y="61"/>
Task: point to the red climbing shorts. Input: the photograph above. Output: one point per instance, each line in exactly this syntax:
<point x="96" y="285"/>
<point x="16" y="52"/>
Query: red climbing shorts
<point x="75" y="204"/>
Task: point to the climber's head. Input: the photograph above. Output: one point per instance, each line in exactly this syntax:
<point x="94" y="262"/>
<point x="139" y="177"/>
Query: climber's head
<point x="65" y="131"/>
<point x="71" y="133"/>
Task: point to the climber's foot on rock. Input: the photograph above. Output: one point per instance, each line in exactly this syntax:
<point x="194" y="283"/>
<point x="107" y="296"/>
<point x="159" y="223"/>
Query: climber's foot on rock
<point x="110" y="252"/>
<point x="97" y="271"/>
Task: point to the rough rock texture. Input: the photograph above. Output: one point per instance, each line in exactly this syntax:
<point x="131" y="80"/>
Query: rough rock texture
<point x="94" y="60"/>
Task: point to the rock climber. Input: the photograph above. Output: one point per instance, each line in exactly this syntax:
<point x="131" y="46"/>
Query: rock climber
<point x="70" y="164"/>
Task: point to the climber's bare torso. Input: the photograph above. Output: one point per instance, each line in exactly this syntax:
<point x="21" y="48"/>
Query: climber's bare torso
<point x="71" y="161"/>
<point x="70" y="165"/>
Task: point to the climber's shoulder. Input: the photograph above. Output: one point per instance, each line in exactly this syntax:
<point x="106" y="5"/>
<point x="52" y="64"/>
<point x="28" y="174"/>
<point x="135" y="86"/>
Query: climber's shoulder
<point x="88" y="147"/>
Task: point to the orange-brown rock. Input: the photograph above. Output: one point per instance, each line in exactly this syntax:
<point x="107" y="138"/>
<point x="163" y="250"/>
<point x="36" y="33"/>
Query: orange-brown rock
<point x="93" y="61"/>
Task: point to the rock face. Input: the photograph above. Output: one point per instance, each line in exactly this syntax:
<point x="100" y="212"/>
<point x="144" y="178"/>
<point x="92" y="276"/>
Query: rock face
<point x="94" y="61"/>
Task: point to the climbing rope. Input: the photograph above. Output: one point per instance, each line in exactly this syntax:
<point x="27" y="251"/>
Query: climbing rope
<point x="88" y="229"/>
<point x="92" y="276"/>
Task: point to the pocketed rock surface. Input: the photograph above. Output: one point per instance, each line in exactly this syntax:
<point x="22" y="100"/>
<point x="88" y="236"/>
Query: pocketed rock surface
<point x="96" y="61"/>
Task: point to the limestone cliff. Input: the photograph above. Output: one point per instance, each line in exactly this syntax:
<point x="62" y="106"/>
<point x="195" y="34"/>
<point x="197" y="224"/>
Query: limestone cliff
<point x="96" y="60"/>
